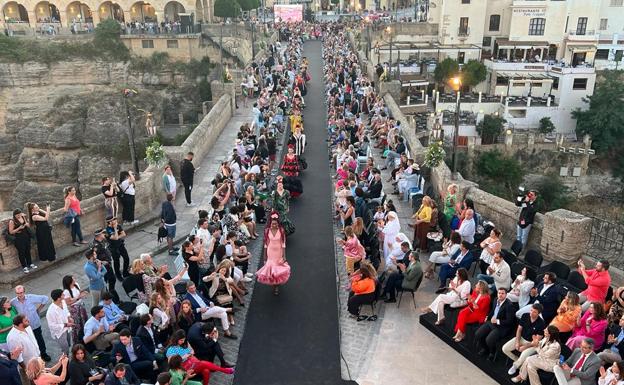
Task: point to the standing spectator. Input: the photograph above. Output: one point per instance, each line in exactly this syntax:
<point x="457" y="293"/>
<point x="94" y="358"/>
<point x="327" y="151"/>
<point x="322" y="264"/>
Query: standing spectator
<point x="60" y="322"/>
<point x="103" y="254"/>
<point x="169" y="183"/>
<point x="74" y="299"/>
<point x="72" y="215"/>
<point x="187" y="172"/>
<point x="127" y="192"/>
<point x="581" y="367"/>
<point x="30" y="305"/>
<point x="22" y="337"/>
<point x="39" y="375"/>
<point x="95" y="271"/>
<point x="110" y="190"/>
<point x="9" y="367"/>
<point x="527" y="216"/>
<point x="19" y="228"/>
<point x="116" y="235"/>
<point x="43" y="231"/>
<point x="168" y="219"/>
<point x="7" y="313"/>
<point x="98" y="330"/>
<point x="598" y="281"/>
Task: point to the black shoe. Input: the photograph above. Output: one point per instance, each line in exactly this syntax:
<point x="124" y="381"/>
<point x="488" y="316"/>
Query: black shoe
<point x="227" y="365"/>
<point x="440" y="290"/>
<point x="46" y="357"/>
<point x="491" y="357"/>
<point x="390" y="300"/>
<point x="119" y="278"/>
<point x="482" y="352"/>
<point x="230" y="336"/>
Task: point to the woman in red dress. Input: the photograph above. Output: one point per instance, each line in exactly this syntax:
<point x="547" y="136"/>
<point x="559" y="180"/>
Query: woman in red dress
<point x="290" y="169"/>
<point x="476" y="311"/>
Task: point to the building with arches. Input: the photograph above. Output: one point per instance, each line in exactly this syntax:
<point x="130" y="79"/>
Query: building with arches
<point x="64" y="13"/>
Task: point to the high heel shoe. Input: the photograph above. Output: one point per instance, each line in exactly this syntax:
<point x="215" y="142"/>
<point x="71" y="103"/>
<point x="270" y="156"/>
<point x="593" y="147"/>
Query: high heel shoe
<point x="439" y="322"/>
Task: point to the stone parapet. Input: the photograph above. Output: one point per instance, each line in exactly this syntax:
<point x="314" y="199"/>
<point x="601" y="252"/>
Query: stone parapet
<point x="565" y="235"/>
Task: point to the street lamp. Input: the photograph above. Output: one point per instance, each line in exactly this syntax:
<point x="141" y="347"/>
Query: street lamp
<point x="128" y="93"/>
<point x="389" y="32"/>
<point x="456" y="84"/>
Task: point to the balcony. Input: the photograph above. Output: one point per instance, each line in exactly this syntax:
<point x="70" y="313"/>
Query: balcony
<point x="588" y="35"/>
<point x="463" y="32"/>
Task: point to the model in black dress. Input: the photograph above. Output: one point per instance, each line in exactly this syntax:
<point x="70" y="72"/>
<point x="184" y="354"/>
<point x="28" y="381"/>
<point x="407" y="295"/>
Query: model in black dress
<point x="43" y="232"/>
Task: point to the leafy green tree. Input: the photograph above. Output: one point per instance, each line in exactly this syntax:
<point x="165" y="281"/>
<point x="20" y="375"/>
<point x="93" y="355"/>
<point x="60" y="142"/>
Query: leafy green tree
<point x="490" y="128"/>
<point x="227" y="8"/>
<point x="499" y="174"/>
<point x="553" y="194"/>
<point x="107" y="38"/>
<point x="445" y="70"/>
<point x="546" y="125"/>
<point x="248" y="5"/>
<point x="473" y="73"/>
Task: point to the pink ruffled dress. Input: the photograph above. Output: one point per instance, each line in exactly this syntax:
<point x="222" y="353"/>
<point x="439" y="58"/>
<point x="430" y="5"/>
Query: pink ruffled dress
<point x="275" y="271"/>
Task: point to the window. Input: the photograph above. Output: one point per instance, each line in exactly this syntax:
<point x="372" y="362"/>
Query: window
<point x="617" y="3"/>
<point x="537" y="85"/>
<point x="603" y="24"/>
<point x="172" y="44"/>
<point x="487" y="41"/>
<point x="581" y="26"/>
<point x="147" y="43"/>
<point x="465" y="1"/>
<point x="602" y="54"/>
<point x="555" y="85"/>
<point x="463" y="26"/>
<point x="501" y="81"/>
<point x="494" y="22"/>
<point x="461" y="57"/>
<point x="537" y="26"/>
<point x="579" y="84"/>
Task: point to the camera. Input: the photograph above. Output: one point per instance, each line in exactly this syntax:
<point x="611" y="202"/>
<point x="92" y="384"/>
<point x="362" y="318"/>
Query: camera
<point x="520" y="195"/>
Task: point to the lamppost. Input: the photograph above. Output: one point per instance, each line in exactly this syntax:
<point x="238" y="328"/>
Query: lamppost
<point x="389" y="32"/>
<point x="456" y="84"/>
<point x="128" y="93"/>
<point x="221" y="50"/>
<point x="253" y="40"/>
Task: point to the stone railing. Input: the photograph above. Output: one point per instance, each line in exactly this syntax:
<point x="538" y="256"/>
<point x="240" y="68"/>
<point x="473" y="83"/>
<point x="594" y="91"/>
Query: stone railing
<point x="148" y="188"/>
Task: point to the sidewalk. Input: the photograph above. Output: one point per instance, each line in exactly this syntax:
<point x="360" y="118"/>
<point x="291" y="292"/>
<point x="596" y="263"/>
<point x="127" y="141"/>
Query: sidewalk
<point x="142" y="238"/>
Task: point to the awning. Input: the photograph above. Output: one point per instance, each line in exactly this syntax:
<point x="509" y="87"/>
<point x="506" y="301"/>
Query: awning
<point x="533" y="76"/>
<point x="508" y="44"/>
<point x="582" y="48"/>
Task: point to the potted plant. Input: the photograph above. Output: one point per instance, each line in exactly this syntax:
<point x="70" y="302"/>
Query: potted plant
<point x="155" y="154"/>
<point x="434" y="155"/>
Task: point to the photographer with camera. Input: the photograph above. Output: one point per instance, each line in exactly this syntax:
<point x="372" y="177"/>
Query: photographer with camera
<point x="527" y="214"/>
<point x="115" y="235"/>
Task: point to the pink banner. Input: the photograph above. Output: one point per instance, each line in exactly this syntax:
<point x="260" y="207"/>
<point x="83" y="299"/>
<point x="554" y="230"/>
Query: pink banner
<point x="288" y="12"/>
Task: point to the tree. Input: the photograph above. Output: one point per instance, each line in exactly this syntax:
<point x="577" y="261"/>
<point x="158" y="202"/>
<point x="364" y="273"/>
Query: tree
<point x="226" y="8"/>
<point x="107" y="38"/>
<point x="490" y="128"/>
<point x="604" y="120"/>
<point x="553" y="194"/>
<point x="546" y="125"/>
<point x="499" y="174"/>
<point x="445" y="70"/>
<point x="473" y="73"/>
<point x="248" y="5"/>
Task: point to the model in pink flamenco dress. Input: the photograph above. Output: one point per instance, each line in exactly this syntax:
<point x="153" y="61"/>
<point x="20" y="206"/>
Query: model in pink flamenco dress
<point x="276" y="270"/>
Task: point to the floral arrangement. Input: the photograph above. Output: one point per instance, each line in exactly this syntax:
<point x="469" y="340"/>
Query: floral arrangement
<point x="227" y="76"/>
<point x="155" y="154"/>
<point x="435" y="154"/>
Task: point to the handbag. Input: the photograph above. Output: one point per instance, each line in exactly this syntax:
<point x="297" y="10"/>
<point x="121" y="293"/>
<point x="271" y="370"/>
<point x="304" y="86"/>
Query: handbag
<point x="224" y="299"/>
<point x="162" y="233"/>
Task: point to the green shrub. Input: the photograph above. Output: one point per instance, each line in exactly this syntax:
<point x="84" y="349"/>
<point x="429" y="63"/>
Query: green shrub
<point x="552" y="193"/>
<point x="498" y="174"/>
<point x="205" y="91"/>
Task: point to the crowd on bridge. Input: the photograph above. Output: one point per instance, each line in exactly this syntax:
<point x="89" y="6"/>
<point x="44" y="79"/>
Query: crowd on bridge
<point x="168" y="331"/>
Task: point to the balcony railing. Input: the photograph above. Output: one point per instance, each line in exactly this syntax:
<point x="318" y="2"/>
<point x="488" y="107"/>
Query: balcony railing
<point x="575" y="32"/>
<point x="463" y="31"/>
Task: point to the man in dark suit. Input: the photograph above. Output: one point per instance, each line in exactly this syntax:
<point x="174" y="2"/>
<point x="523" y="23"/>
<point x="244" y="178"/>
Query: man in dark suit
<point x="581" y="367"/>
<point x="498" y="325"/>
<point x="148" y="335"/>
<point x="375" y="186"/>
<point x="204" y="309"/>
<point x="131" y="351"/>
<point x="547" y="294"/>
<point x="614" y="349"/>
<point x="462" y="258"/>
<point x="121" y="371"/>
<point x="204" y="341"/>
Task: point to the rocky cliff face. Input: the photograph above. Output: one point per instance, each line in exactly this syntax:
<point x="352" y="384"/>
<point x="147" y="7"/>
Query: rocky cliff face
<point x="65" y="124"/>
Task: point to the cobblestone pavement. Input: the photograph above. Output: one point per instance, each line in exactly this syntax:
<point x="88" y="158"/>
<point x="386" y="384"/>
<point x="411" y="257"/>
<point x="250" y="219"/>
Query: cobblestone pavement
<point x="396" y="349"/>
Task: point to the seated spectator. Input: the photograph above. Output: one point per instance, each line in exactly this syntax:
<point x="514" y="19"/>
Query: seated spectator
<point x="546" y="293"/>
<point x="463" y="259"/>
<point x="591" y="325"/>
<point x="179" y="346"/>
<point x="40" y="375"/>
<point x="131" y="351"/>
<point x="468" y="227"/>
<point x="99" y="331"/>
<point x="498" y="325"/>
<point x="164" y="379"/>
<point x="457" y="295"/>
<point x="616" y="311"/>
<point x="547" y="356"/>
<point x="363" y="282"/>
<point x="160" y="317"/>
<point x="122" y="375"/>
<point x="475" y="312"/>
<point x="528" y="334"/>
<point x="204" y="338"/>
<point x="614" y="348"/>
<point x="498" y="274"/>
<point x="203" y="309"/>
<point x="613" y="375"/>
<point x="7" y="313"/>
<point x="490" y="246"/>
<point x="394" y="281"/>
<point x="179" y="376"/>
<point x="82" y="368"/>
<point x="598" y="281"/>
<point x="114" y="315"/>
<point x="449" y="249"/>
<point x="521" y="288"/>
<point x="186" y="318"/>
<point x="9" y="367"/>
<point x="568" y="313"/>
<point x="581" y="367"/>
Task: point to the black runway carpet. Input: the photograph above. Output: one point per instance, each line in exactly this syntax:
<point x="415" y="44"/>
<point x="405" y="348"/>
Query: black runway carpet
<point x="293" y="338"/>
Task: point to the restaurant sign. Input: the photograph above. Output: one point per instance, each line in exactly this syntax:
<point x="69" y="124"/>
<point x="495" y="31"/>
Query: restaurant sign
<point x="530" y="12"/>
